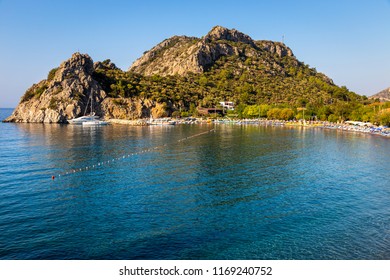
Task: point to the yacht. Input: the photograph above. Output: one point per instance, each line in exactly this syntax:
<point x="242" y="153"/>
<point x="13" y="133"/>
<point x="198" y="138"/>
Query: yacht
<point x="95" y="122"/>
<point x="89" y="120"/>
<point x="83" y="119"/>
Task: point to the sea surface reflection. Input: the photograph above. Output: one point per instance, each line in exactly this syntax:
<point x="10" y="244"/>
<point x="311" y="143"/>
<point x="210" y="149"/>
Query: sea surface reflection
<point x="241" y="192"/>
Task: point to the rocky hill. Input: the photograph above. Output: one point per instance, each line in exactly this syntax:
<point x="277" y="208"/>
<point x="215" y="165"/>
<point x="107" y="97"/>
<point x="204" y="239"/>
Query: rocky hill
<point x="63" y="95"/>
<point x="383" y="95"/>
<point x="183" y="73"/>
<point x="182" y="55"/>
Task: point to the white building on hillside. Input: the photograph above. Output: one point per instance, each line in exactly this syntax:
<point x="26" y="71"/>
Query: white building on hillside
<point x="227" y="105"/>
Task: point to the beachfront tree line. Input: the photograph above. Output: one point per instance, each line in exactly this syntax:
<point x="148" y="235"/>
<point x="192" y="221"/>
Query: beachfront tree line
<point x="376" y="112"/>
<point x="258" y="91"/>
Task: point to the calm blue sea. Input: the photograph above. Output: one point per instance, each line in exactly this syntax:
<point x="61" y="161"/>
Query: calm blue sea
<point x="241" y="192"/>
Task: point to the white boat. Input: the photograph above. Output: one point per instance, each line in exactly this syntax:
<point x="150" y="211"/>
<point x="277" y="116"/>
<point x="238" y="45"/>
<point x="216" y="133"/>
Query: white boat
<point x="90" y="119"/>
<point x="94" y="123"/>
<point x="83" y="119"/>
<point x="162" y="121"/>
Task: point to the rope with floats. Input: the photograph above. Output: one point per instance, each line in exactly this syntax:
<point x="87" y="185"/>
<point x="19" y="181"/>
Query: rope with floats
<point x="102" y="163"/>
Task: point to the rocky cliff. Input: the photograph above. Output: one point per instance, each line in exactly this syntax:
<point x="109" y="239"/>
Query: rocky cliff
<point x="67" y="93"/>
<point x="182" y="55"/>
<point x="63" y="95"/>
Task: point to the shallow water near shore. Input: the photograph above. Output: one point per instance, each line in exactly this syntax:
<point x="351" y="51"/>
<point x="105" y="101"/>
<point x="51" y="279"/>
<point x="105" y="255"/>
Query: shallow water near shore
<point x="241" y="192"/>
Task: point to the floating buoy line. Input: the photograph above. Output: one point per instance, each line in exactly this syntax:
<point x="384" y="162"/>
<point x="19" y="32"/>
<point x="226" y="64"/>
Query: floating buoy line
<point x="102" y="163"/>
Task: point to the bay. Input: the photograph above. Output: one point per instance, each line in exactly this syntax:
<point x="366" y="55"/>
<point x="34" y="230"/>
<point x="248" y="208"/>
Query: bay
<point x="241" y="192"/>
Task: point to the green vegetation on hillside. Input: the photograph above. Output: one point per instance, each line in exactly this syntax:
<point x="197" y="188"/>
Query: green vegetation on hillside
<point x="279" y="91"/>
<point x="34" y="92"/>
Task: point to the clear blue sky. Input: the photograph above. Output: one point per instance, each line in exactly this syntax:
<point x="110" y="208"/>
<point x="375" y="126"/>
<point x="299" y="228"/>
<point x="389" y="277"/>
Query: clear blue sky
<point x="347" y="40"/>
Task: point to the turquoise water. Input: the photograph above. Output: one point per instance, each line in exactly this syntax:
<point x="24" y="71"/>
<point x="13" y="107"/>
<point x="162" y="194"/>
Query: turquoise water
<point x="241" y="192"/>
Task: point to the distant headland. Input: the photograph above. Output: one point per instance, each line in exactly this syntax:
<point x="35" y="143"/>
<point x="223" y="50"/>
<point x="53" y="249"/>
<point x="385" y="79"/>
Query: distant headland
<point x="181" y="75"/>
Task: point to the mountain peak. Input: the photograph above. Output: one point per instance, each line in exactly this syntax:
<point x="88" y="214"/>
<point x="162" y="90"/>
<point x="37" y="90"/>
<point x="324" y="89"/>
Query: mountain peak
<point x="222" y="33"/>
<point x="180" y="55"/>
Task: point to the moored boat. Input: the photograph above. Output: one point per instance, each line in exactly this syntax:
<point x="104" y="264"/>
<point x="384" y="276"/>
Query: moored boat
<point x="90" y="119"/>
<point x="163" y="121"/>
<point x="83" y="119"/>
<point x="94" y="123"/>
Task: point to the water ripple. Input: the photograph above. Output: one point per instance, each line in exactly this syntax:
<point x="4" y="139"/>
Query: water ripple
<point x="239" y="193"/>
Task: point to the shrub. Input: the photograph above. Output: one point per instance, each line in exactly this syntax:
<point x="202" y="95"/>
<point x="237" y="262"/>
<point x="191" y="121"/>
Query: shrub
<point x="251" y="111"/>
<point x="274" y="113"/>
<point x="333" y="118"/>
<point x="184" y="114"/>
<point x="176" y="114"/>
<point x="51" y="74"/>
<point x="28" y="95"/>
<point x="40" y="90"/>
<point x="53" y="103"/>
<point x="286" y="114"/>
<point x="384" y="117"/>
